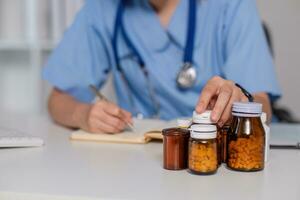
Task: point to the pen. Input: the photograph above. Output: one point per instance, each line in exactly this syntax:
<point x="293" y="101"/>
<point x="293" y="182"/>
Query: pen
<point x="102" y="97"/>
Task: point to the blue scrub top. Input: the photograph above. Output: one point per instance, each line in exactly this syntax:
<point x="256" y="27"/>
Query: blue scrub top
<point x="229" y="43"/>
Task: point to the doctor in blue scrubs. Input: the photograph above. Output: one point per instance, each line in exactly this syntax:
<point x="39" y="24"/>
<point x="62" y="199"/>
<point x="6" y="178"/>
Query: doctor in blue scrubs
<point x="167" y="57"/>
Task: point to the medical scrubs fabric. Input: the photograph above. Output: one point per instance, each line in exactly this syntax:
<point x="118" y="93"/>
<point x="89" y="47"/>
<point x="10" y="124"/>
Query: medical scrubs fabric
<point x="229" y="43"/>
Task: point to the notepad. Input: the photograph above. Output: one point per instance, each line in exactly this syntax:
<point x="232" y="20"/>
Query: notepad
<point x="145" y="131"/>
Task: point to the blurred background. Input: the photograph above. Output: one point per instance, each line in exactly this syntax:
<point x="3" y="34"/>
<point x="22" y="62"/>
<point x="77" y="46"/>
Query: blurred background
<point x="30" y="29"/>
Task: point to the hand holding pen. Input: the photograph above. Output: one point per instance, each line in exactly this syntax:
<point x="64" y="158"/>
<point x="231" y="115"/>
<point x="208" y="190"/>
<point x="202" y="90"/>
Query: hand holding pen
<point x="105" y="116"/>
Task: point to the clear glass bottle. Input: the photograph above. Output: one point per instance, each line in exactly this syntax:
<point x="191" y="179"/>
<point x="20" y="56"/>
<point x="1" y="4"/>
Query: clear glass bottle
<point x="205" y="119"/>
<point x="203" y="158"/>
<point x="246" y="138"/>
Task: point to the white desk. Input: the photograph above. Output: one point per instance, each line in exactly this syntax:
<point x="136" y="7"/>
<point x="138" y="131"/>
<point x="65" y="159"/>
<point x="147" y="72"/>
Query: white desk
<point x="65" y="170"/>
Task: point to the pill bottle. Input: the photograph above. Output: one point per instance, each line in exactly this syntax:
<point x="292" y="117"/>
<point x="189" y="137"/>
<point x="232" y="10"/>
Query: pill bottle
<point x="203" y="158"/>
<point x="175" y="148"/>
<point x="184" y="123"/>
<point x="246" y="138"/>
<point x="224" y="132"/>
<point x="205" y="119"/>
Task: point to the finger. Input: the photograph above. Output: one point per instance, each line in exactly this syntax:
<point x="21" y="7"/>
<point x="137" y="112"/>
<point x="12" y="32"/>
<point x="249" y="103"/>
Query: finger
<point x="113" y="121"/>
<point x="226" y="115"/>
<point x="109" y="119"/>
<point x="98" y="113"/>
<point x="222" y="101"/>
<point x="128" y="116"/>
<point x="113" y="109"/>
<point x="98" y="126"/>
<point x="212" y="103"/>
<point x="120" y="113"/>
<point x="207" y="93"/>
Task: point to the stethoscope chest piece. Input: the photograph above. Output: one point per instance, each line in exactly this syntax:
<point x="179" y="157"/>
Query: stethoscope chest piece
<point x="186" y="77"/>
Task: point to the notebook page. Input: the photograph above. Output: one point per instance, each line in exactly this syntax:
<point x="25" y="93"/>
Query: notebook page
<point x="127" y="136"/>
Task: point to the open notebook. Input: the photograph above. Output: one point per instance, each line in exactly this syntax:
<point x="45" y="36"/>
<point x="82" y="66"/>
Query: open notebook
<point x="145" y="131"/>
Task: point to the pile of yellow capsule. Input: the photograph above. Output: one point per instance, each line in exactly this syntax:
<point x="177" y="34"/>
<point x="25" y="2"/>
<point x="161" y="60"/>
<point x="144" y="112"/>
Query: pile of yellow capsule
<point x="246" y="153"/>
<point x="202" y="158"/>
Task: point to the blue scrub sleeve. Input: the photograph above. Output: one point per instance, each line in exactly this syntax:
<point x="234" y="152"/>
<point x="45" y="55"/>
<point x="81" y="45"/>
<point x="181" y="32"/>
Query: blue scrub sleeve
<point x="248" y="60"/>
<point x="80" y="59"/>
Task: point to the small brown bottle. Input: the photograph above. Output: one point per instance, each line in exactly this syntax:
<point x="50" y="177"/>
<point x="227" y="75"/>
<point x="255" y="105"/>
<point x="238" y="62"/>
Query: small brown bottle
<point x="175" y="148"/>
<point x="224" y="133"/>
<point x="246" y="138"/>
<point x="203" y="158"/>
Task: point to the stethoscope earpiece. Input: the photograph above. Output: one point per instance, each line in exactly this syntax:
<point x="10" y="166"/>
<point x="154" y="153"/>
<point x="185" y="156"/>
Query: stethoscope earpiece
<point x="186" y="77"/>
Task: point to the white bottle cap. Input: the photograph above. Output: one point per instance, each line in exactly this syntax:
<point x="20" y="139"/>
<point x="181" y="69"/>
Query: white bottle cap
<point x="247" y="109"/>
<point x="184" y="122"/>
<point x="204" y="118"/>
<point x="203" y="131"/>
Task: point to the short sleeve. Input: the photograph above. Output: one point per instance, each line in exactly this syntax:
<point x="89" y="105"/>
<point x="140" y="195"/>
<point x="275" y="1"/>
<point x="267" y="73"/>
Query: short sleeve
<point x="81" y="58"/>
<point x="247" y="57"/>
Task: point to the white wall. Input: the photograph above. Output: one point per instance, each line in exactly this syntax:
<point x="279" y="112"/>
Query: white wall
<point x="13" y="26"/>
<point x="283" y="18"/>
<point x="28" y="31"/>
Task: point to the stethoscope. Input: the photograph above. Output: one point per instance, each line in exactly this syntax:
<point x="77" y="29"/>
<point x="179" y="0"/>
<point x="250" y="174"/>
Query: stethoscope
<point x="187" y="75"/>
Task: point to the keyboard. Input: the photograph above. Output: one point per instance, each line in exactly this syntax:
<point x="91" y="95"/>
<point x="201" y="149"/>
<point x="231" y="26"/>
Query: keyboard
<point x="10" y="138"/>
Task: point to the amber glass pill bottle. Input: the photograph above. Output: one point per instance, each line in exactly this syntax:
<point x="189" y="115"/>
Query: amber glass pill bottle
<point x="203" y="159"/>
<point x="224" y="131"/>
<point x="175" y="148"/>
<point x="246" y="138"/>
<point x="205" y="119"/>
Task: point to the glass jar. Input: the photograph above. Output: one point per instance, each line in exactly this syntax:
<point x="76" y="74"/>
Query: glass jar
<point x="224" y="132"/>
<point x="203" y="158"/>
<point x="246" y="138"/>
<point x="205" y="119"/>
<point x="175" y="148"/>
